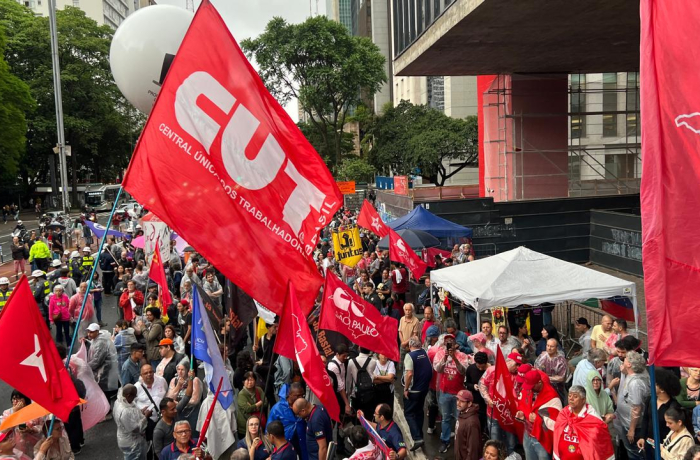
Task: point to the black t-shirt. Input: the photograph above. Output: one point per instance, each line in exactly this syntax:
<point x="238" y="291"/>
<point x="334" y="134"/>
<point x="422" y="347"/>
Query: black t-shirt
<point x="374" y="299"/>
<point x="184" y="322"/>
<point x="318" y="426"/>
<point x="471" y="382"/>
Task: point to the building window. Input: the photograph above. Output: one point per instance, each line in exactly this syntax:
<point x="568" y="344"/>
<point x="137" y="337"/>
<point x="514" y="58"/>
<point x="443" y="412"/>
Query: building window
<point x="632" y="104"/>
<point x="76" y="3"/>
<point x="609" y="104"/>
<point x="578" y="105"/>
<point x="620" y="166"/>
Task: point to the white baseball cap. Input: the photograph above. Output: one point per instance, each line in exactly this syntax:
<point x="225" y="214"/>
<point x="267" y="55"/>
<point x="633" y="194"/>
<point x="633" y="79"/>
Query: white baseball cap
<point x="94" y="327"/>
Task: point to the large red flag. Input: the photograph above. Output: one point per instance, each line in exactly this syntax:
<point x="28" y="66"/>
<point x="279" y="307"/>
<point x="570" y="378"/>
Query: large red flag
<point x="670" y="202"/>
<point x="369" y="219"/>
<point x="345" y="312"/>
<point x="222" y="164"/>
<point x="29" y="361"/>
<point x="157" y="273"/>
<point x="294" y="341"/>
<point x="400" y="251"/>
<point x="503" y="397"/>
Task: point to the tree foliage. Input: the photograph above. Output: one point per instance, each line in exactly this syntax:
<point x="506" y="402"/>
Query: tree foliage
<point x="409" y="137"/>
<point x="15" y="103"/>
<point x="100" y="126"/>
<point x="326" y="150"/>
<point x="355" y="169"/>
<point x="323" y="66"/>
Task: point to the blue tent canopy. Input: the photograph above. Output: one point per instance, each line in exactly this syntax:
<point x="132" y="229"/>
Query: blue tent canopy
<point x="422" y="219"/>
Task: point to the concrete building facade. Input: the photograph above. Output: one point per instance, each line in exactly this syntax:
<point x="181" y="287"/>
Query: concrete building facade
<point x="107" y="12"/>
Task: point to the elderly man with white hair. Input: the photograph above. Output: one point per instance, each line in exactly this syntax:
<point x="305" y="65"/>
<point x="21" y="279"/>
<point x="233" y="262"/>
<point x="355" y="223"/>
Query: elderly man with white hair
<point x="633" y="395"/>
<point x="595" y="360"/>
<point x="183" y="444"/>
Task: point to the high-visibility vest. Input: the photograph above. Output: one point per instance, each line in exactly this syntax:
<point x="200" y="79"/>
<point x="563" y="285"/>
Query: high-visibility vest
<point x="4" y="297"/>
<point x="88" y="262"/>
<point x="47" y="288"/>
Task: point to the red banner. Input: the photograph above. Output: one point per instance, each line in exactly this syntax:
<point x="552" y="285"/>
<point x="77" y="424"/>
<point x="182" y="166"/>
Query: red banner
<point x="670" y="202"/>
<point x="157" y="273"/>
<point x="29" y="361"/>
<point x="503" y="397"/>
<point x="401" y="185"/>
<point x="222" y="163"/>
<point x="369" y="219"/>
<point x="294" y="341"/>
<point x="345" y="312"/>
<point x="399" y="251"/>
<point x="430" y="253"/>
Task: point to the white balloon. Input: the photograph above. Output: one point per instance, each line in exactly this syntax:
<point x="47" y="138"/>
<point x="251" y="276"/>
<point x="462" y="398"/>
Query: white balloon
<point x="141" y="46"/>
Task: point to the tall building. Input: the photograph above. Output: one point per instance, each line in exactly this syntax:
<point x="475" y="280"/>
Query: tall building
<point x="343" y="11"/>
<point x="107" y="12"/>
<point x="380" y="23"/>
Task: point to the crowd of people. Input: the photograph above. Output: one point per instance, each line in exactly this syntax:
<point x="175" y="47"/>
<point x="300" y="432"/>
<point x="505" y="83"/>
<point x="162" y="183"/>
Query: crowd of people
<point x="592" y="403"/>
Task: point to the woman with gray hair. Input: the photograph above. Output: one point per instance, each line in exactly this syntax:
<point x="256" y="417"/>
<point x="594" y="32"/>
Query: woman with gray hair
<point x="579" y="431"/>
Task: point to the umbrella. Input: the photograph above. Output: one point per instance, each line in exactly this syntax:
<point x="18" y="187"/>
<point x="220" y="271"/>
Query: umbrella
<point x="57" y="224"/>
<point x="416" y="239"/>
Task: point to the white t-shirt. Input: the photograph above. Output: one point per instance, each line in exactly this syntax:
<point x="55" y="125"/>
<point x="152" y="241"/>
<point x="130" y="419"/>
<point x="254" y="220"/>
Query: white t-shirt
<point x="385" y="369"/>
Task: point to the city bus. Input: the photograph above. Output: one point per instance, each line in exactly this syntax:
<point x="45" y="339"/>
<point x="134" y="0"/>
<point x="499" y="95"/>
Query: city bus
<point x="101" y="197"/>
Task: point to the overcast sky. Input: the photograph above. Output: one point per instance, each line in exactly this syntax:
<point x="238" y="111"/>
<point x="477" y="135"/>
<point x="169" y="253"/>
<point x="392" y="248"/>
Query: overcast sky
<point x="248" y="18"/>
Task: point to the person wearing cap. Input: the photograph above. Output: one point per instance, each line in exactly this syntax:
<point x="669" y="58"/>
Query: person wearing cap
<point x="102" y="360"/>
<point x="167" y="367"/>
<point x="40" y="255"/>
<point x="461" y="339"/>
<point x="579" y="433"/>
<point x="131" y="367"/>
<point x="553" y="363"/>
<point x="418" y="372"/>
<point x="478" y="342"/>
<point x="75" y="267"/>
<point x="468" y="428"/>
<point x="5" y="291"/>
<point x="451" y="365"/>
<point x="41" y="290"/>
<point x="538" y="409"/>
<point x="595" y="360"/>
<point x="486" y="388"/>
<point x="87" y="261"/>
<point x="523" y="369"/>
<point x="54" y="271"/>
<point x="584" y="328"/>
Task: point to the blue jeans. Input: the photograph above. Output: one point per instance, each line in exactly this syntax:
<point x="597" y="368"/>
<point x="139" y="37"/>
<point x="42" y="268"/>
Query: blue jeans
<point x="98" y="310"/>
<point x="448" y="408"/>
<point x="413" y="410"/>
<point x="471" y="320"/>
<point x="496" y="432"/>
<point x="533" y="449"/>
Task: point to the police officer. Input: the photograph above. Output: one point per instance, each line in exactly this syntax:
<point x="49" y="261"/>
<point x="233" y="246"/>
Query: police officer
<point x="41" y="291"/>
<point x="87" y="262"/>
<point x="55" y="271"/>
<point x="75" y="267"/>
<point x="4" y="291"/>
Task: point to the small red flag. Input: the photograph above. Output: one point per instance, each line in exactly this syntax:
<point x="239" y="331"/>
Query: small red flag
<point x="503" y="397"/>
<point x="223" y="164"/>
<point x="345" y="312"/>
<point x="294" y="341"/>
<point x="370" y="220"/>
<point x="399" y="251"/>
<point x="29" y="361"/>
<point x="157" y="274"/>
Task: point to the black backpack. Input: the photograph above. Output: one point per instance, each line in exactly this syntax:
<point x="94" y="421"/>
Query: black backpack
<point x="364" y="387"/>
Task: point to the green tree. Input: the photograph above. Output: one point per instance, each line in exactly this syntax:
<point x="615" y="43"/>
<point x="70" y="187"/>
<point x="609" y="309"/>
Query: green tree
<point x="327" y="151"/>
<point x="322" y="66"/>
<point x="411" y="136"/>
<point x="355" y="168"/>
<point x="15" y="102"/>
<point x="100" y="126"/>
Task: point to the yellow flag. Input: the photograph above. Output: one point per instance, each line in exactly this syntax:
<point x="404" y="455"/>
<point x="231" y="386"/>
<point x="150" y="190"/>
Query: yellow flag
<point x="347" y="246"/>
<point x="262" y="328"/>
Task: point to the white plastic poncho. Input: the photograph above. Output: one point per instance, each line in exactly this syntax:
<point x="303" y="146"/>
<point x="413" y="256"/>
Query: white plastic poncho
<point x="221" y="429"/>
<point x="103" y="360"/>
<point x="131" y="425"/>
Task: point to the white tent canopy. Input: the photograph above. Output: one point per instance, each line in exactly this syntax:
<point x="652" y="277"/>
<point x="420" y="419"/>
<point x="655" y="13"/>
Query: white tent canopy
<point x="525" y="277"/>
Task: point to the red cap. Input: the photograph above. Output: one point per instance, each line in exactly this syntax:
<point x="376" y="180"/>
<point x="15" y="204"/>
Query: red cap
<point x="465" y="395"/>
<point x="165" y="342"/>
<point x="522" y="370"/>
<point x="5" y="434"/>
<point x="532" y="378"/>
<point x="516" y="357"/>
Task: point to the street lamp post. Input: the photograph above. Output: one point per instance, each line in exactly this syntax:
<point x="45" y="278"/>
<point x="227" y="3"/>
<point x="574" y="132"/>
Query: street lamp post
<point x="62" y="163"/>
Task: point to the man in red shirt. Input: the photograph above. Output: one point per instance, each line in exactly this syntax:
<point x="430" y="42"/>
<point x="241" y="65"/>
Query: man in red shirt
<point x="451" y="365"/>
<point x="399" y="280"/>
<point x="486" y="389"/>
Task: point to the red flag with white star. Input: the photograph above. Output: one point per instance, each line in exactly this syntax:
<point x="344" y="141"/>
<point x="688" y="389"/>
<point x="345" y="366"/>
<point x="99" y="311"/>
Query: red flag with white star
<point x="400" y="251"/>
<point x="29" y="362"/>
<point x="369" y="219"/>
